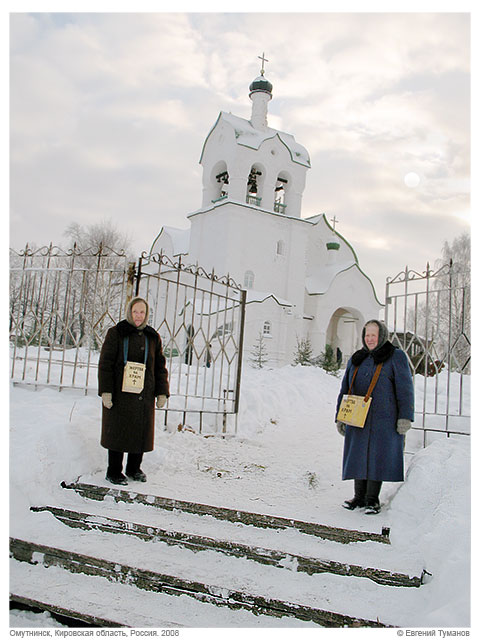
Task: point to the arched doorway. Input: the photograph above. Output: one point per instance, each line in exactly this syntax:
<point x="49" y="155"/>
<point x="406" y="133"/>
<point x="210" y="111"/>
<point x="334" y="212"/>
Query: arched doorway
<point x="344" y="332"/>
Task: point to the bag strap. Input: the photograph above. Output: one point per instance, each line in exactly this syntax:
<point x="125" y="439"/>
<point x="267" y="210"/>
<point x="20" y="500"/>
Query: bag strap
<point x="372" y="383"/>
<point x="351" y="383"/>
<point x="125" y="350"/>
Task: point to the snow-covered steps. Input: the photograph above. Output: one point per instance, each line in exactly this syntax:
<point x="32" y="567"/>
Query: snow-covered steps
<point x="274" y="557"/>
<point x="220" y="563"/>
<point x="174" y="585"/>
<point x="73" y="614"/>
<point x="97" y="601"/>
<point x="337" y="534"/>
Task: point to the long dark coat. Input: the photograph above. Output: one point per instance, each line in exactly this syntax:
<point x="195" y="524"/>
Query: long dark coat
<point x="130" y="424"/>
<point x="376" y="451"/>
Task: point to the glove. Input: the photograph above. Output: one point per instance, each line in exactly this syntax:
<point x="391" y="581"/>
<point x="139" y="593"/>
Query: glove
<point x="161" y="400"/>
<point x="403" y="425"/>
<point x="107" y="400"/>
<point x="341" y="428"/>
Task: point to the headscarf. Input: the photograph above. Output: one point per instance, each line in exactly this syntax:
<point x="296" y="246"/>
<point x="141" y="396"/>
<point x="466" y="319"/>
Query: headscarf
<point x="129" y="316"/>
<point x="382" y="351"/>
<point x="382" y="334"/>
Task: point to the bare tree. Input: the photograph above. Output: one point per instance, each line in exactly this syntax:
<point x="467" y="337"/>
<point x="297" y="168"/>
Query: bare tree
<point x="444" y="325"/>
<point x="99" y="252"/>
<point x="69" y="296"/>
<point x="455" y="300"/>
<point x="103" y="235"/>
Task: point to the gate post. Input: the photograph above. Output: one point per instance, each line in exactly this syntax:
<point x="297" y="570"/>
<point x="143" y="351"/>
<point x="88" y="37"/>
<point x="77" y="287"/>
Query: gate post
<point x="130" y="279"/>
<point x="243" y="295"/>
<point x="139" y="276"/>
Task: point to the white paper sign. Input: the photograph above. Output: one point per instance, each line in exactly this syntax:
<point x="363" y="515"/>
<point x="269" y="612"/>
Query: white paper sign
<point x="133" y="377"/>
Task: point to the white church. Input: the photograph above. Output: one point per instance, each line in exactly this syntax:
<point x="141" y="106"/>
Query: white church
<point x="302" y="277"/>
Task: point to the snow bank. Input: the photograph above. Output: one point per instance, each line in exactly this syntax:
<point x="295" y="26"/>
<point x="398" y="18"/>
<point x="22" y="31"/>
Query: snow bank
<point x="431" y="514"/>
<point x="285" y="395"/>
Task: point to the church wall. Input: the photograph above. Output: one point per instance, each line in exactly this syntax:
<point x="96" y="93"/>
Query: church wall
<point x="234" y="240"/>
<point x="237" y="239"/>
<point x="276" y="341"/>
<point x="163" y="244"/>
<point x="210" y="240"/>
<point x="317" y="253"/>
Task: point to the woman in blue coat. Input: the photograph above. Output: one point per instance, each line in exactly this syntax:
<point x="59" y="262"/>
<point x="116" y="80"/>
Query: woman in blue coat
<point x="374" y="453"/>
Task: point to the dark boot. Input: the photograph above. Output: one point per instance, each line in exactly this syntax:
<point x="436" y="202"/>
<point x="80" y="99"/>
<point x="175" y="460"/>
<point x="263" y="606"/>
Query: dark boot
<point x="133" y="470"/>
<point x="114" y="470"/>
<point x="372" y="502"/>
<point x="358" y="500"/>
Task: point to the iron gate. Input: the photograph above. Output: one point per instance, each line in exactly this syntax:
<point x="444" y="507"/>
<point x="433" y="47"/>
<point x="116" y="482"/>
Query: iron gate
<point x="428" y="316"/>
<point x="200" y="318"/>
<point x="62" y="302"/>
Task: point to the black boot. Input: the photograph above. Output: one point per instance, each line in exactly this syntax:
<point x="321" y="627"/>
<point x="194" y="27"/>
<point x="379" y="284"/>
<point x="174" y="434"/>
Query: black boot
<point x="358" y="500"/>
<point x="133" y="470"/>
<point x="114" y="470"/>
<point x="372" y="502"/>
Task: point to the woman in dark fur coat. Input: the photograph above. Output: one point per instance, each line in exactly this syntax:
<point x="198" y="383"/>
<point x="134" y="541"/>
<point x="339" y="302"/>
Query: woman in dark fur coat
<point x="374" y="453"/>
<point x="128" y="418"/>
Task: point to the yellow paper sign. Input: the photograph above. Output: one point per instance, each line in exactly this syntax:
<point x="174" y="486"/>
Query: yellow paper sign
<point x="133" y="377"/>
<point x="353" y="410"/>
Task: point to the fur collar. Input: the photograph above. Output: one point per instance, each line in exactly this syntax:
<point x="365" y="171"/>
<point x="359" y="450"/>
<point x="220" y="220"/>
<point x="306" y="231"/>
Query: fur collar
<point x="381" y="354"/>
<point x="126" y="329"/>
<point x="382" y="333"/>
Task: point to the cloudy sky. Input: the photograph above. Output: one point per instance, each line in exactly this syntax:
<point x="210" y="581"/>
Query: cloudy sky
<point x="109" y="112"/>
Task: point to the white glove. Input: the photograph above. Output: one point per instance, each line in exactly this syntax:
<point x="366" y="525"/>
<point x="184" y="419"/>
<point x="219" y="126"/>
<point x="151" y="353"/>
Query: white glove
<point x="341" y="428"/>
<point x="161" y="400"/>
<point x="403" y="425"/>
<point x="107" y="400"/>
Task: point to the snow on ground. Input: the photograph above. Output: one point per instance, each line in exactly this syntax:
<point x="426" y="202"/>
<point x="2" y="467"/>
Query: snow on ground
<point x="285" y="460"/>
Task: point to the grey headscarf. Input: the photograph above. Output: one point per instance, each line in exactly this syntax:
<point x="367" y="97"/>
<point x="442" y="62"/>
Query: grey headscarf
<point x="129" y="312"/>
<point x="382" y="334"/>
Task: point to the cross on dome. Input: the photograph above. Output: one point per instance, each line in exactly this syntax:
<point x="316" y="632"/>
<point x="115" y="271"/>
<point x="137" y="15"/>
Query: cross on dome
<point x="263" y="59"/>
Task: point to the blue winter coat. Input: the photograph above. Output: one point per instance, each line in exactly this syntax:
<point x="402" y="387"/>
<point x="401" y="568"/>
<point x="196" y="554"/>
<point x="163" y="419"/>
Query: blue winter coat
<point x="376" y="451"/>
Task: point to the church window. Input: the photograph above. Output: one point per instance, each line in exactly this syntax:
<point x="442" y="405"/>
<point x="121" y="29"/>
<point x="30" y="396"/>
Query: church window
<point x="267" y="328"/>
<point x="222" y="182"/>
<point x="223" y="330"/>
<point x="280" y="248"/>
<point x="248" y="279"/>
<point x="253" y="187"/>
<point x="279" y="205"/>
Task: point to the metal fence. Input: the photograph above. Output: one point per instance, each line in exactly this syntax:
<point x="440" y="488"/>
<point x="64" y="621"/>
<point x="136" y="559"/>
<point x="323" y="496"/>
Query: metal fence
<point x="428" y="316"/>
<point x="200" y="318"/>
<point x="62" y="302"/>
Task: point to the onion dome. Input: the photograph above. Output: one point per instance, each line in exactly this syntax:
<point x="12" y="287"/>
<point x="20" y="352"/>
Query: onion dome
<point x="261" y="84"/>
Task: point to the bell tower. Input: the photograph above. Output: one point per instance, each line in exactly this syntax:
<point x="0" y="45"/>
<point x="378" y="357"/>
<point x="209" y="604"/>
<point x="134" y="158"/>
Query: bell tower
<point x="249" y="163"/>
<point x="250" y="217"/>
